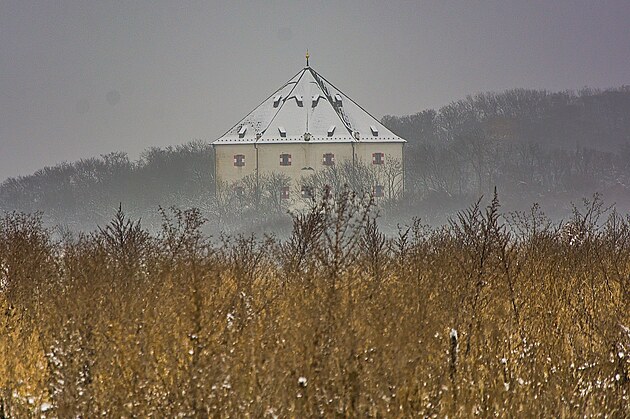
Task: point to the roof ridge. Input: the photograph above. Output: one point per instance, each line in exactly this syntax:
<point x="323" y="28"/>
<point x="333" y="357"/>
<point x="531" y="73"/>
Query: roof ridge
<point x="319" y="78"/>
<point x="283" y="99"/>
<point x="351" y="100"/>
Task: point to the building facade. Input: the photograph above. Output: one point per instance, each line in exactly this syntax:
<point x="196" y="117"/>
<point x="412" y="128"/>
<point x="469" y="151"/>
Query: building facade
<point x="305" y="127"/>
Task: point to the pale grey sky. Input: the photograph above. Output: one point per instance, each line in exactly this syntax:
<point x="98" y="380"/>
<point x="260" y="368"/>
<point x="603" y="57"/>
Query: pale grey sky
<point x="83" y="78"/>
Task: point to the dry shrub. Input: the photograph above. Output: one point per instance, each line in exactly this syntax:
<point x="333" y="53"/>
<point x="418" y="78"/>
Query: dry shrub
<point x="489" y="315"/>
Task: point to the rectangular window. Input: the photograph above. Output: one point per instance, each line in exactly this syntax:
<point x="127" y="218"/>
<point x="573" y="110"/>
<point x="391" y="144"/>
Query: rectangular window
<point x="327" y="191"/>
<point x="378" y="158"/>
<point x="379" y="191"/>
<point x="307" y="192"/>
<point x="329" y="159"/>
<point x="239" y="160"/>
<point x="239" y="190"/>
<point x="285" y="159"/>
<point x="284" y="192"/>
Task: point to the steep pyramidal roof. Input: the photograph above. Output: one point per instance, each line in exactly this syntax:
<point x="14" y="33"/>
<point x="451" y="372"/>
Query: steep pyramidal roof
<point x="308" y="108"/>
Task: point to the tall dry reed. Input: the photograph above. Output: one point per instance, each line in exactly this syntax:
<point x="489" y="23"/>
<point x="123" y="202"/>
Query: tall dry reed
<point x="489" y="315"/>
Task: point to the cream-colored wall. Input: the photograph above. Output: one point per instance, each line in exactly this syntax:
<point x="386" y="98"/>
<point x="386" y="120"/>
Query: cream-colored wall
<point x="391" y="150"/>
<point x="302" y="155"/>
<point x="224" y="160"/>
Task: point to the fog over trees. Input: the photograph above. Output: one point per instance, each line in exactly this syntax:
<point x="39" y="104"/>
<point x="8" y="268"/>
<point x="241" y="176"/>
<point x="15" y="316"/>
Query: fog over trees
<point x="551" y="148"/>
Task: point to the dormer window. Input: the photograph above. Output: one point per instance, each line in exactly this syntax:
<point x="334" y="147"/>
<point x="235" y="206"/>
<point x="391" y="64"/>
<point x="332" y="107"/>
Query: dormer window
<point x="282" y="131"/>
<point x="239" y="160"/>
<point x="331" y="130"/>
<point x="276" y="101"/>
<point x="338" y="99"/>
<point x="374" y="130"/>
<point x="285" y="159"/>
<point x="328" y="159"/>
<point x="242" y="131"/>
<point x="315" y="100"/>
<point x="298" y="100"/>
<point x="378" y="158"/>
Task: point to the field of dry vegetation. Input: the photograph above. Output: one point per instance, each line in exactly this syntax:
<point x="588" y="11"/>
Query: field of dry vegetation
<point x="493" y="314"/>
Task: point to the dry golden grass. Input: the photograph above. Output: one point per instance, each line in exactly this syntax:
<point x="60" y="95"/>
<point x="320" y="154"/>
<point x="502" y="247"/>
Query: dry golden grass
<point x="490" y="315"/>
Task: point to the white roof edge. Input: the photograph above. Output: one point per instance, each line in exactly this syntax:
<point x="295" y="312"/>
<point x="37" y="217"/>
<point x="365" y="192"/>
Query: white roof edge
<point x="300" y="140"/>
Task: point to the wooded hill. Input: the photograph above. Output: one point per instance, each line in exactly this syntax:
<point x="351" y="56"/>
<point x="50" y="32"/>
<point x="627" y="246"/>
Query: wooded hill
<point x="533" y="146"/>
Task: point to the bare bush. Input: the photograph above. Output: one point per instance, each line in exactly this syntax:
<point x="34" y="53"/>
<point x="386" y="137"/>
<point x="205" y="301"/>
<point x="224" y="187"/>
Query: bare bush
<point x="492" y="314"/>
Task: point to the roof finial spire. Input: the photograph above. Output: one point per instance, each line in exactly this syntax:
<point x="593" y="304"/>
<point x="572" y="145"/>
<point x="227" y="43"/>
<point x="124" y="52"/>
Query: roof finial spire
<point x="307" y="57"/>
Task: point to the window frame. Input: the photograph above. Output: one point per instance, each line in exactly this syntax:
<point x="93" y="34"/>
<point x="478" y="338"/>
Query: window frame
<point x="307" y="192"/>
<point x="239" y="160"/>
<point x="288" y="160"/>
<point x="378" y="160"/>
<point x="330" y="162"/>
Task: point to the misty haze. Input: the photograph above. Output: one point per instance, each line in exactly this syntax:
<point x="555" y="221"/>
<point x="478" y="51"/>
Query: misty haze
<point x="297" y="209"/>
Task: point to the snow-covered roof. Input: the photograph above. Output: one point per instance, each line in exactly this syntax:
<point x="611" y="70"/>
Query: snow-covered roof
<point x="308" y="108"/>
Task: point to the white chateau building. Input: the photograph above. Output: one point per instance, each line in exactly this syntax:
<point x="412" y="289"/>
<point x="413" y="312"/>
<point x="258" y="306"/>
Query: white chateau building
<point x="305" y="126"/>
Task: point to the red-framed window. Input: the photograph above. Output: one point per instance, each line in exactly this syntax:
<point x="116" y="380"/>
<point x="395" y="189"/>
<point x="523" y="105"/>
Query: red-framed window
<point x="285" y="159"/>
<point x="378" y="158"/>
<point x="284" y="192"/>
<point x="327" y="191"/>
<point x="239" y="160"/>
<point x="328" y="159"/>
<point x="379" y="191"/>
<point x="307" y="192"/>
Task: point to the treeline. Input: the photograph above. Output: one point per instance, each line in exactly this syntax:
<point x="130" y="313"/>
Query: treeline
<point x="82" y="194"/>
<point x="534" y="146"/>
<point x="491" y="315"/>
